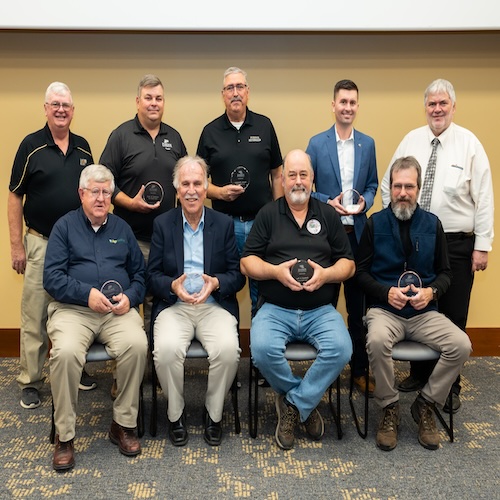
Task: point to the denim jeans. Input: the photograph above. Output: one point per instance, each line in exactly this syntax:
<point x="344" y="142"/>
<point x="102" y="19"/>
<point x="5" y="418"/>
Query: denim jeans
<point x="241" y="231"/>
<point x="273" y="327"/>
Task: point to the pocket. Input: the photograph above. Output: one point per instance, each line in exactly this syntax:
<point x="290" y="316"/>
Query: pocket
<point x="453" y="179"/>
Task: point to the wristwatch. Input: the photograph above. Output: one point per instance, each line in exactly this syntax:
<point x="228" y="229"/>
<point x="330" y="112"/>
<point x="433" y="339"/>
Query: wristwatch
<point x="434" y="293"/>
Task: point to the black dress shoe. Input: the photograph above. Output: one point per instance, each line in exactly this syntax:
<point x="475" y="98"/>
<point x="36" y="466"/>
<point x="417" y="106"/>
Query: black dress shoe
<point x="177" y="432"/>
<point x="213" y="430"/>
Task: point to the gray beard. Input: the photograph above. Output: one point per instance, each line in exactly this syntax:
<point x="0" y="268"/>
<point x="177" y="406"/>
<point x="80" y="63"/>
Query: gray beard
<point x="299" y="197"/>
<point x="403" y="213"/>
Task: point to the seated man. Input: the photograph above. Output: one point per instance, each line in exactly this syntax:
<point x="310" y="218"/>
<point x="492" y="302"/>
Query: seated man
<point x="87" y="248"/>
<point x="297" y="228"/>
<point x="396" y="240"/>
<point x="193" y="274"/>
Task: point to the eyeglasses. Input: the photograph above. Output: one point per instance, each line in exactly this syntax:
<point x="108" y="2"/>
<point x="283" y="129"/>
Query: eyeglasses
<point x="408" y="187"/>
<point x="66" y="106"/>
<point x="96" y="192"/>
<point x="240" y="87"/>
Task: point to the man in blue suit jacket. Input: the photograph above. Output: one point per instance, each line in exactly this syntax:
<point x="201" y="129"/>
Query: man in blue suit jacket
<point x="343" y="160"/>
<point x="193" y="274"/>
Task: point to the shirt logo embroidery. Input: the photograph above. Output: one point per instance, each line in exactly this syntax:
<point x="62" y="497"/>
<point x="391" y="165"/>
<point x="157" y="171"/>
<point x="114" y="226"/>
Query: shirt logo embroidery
<point x="166" y="145"/>
<point x="254" y="138"/>
<point x="313" y="226"/>
<point x="115" y="241"/>
<point x="83" y="162"/>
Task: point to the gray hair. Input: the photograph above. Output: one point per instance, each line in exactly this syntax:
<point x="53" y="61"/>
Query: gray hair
<point x="186" y="160"/>
<point x="294" y="151"/>
<point x="438" y="86"/>
<point x="58" y="88"/>
<point x="96" y="173"/>
<point x="233" y="70"/>
<point x="405" y="163"/>
<point x="148" y="80"/>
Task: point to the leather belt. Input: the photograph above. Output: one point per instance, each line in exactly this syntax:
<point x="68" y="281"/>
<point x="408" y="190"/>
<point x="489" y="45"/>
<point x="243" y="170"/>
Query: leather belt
<point x="459" y="236"/>
<point x="244" y="218"/>
<point x="34" y="232"/>
<point x="348" y="229"/>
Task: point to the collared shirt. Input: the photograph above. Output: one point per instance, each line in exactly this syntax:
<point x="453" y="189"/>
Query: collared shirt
<point x="193" y="255"/>
<point x="345" y="151"/>
<point x="462" y="194"/>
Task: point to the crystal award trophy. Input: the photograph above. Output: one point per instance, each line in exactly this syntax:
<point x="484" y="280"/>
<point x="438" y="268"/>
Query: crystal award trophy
<point x="302" y="271"/>
<point x="350" y="200"/>
<point x="410" y="278"/>
<point x="193" y="283"/>
<point x="240" y="176"/>
<point x="153" y="193"/>
<point x="110" y="289"/>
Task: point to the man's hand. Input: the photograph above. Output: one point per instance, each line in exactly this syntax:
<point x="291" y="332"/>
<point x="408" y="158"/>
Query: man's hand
<point x="210" y="284"/>
<point x="230" y="192"/>
<point x="135" y="204"/>
<point x="284" y="275"/>
<point x="18" y="255"/>
<point x="479" y="260"/>
<point x="337" y="205"/>
<point x="317" y="280"/>
<point x="98" y="302"/>
<point x="422" y="298"/>
<point x="122" y="304"/>
<point x="397" y="297"/>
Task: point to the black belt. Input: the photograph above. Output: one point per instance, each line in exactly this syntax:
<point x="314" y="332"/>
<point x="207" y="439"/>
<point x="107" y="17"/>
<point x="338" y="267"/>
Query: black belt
<point x="34" y="232"/>
<point x="244" y="218"/>
<point x="459" y="236"/>
<point x="348" y="229"/>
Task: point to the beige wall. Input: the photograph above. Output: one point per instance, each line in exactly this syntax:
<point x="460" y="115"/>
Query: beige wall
<point x="291" y="78"/>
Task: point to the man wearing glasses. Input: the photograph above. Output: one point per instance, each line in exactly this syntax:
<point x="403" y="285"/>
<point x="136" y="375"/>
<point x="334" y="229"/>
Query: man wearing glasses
<point x="243" y="154"/>
<point x="95" y="271"/>
<point x="43" y="187"/>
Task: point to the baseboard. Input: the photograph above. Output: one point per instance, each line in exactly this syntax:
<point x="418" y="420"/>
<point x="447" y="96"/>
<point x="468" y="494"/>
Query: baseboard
<point x="485" y="342"/>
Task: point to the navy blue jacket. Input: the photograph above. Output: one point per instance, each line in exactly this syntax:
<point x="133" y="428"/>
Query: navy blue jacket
<point x="220" y="256"/>
<point x="79" y="259"/>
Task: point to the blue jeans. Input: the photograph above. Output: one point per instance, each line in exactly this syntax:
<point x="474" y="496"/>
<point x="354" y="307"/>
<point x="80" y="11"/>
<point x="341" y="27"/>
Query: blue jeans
<point x="241" y="231"/>
<point x="273" y="327"/>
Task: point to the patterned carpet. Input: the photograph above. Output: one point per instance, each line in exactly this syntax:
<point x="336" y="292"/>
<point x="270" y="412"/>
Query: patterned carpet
<point x="243" y="467"/>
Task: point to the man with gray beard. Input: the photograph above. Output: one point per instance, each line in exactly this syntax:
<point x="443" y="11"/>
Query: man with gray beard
<point x="403" y="241"/>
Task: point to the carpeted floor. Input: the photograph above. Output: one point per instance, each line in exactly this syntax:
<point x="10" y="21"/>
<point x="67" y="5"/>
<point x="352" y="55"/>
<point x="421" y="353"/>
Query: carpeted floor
<point x="352" y="468"/>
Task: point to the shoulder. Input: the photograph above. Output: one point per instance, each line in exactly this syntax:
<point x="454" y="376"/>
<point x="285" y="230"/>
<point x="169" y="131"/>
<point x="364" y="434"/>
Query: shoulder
<point x="258" y="118"/>
<point x="359" y="136"/>
<point x="463" y="132"/>
<point x="125" y="128"/>
<point x="219" y="219"/>
<point x="322" y="136"/>
<point x="215" y="123"/>
<point x="167" y="129"/>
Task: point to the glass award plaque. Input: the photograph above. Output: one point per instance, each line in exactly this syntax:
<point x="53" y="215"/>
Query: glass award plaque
<point x="193" y="283"/>
<point x="350" y="200"/>
<point x="240" y="176"/>
<point x="153" y="193"/>
<point x="110" y="289"/>
<point x="410" y="278"/>
<point x="302" y="271"/>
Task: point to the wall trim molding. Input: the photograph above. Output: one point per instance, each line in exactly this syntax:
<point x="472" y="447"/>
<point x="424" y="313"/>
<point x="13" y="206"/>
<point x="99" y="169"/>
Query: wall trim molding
<point x="485" y="341"/>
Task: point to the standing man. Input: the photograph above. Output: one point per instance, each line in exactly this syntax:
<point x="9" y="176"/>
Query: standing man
<point x="459" y="191"/>
<point x="244" y="159"/>
<point x="194" y="275"/>
<point x="43" y="187"/>
<point x="397" y="241"/>
<point x="88" y="249"/>
<point x="344" y="159"/>
<point x="141" y="151"/>
<point x="297" y="228"/>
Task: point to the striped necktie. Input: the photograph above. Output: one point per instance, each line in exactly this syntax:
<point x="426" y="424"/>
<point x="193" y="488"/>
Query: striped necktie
<point x="425" y="197"/>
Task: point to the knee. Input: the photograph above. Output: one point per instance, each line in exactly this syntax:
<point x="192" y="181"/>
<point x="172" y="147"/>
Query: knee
<point x="376" y="344"/>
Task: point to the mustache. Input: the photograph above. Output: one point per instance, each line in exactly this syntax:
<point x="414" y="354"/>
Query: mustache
<point x="236" y="99"/>
<point x="298" y="188"/>
<point x="191" y="197"/>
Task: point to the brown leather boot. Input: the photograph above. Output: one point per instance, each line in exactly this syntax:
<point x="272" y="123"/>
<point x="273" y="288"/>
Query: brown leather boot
<point x="126" y="439"/>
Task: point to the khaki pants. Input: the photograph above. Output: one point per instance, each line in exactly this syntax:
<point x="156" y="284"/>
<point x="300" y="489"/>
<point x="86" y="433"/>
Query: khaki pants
<point x="72" y="329"/>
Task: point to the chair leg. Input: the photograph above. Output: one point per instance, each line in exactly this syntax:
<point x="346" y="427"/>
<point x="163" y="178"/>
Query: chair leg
<point x="336" y="409"/>
<point x="447" y="427"/>
<point x="253" y="399"/>
<point x="234" y="397"/>
<point x="154" y="402"/>
<point x="363" y="433"/>
<point x="140" y="413"/>
<point x="52" y="436"/>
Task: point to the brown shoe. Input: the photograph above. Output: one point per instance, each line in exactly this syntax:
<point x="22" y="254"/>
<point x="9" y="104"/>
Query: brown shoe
<point x="387" y="434"/>
<point x="360" y="383"/>
<point x="314" y="425"/>
<point x="64" y="457"/>
<point x="126" y="439"/>
<point x="422" y="412"/>
<point x="288" y="417"/>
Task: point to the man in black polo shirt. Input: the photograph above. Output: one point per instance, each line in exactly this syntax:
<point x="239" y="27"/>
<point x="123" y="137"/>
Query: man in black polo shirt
<point x="244" y="158"/>
<point x="298" y="250"/>
<point x="141" y="151"/>
<point x="45" y="177"/>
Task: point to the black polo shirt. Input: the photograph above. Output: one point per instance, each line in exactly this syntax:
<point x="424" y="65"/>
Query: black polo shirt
<point x="48" y="178"/>
<point x="135" y="159"/>
<point x="254" y="146"/>
<point x="276" y="237"/>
